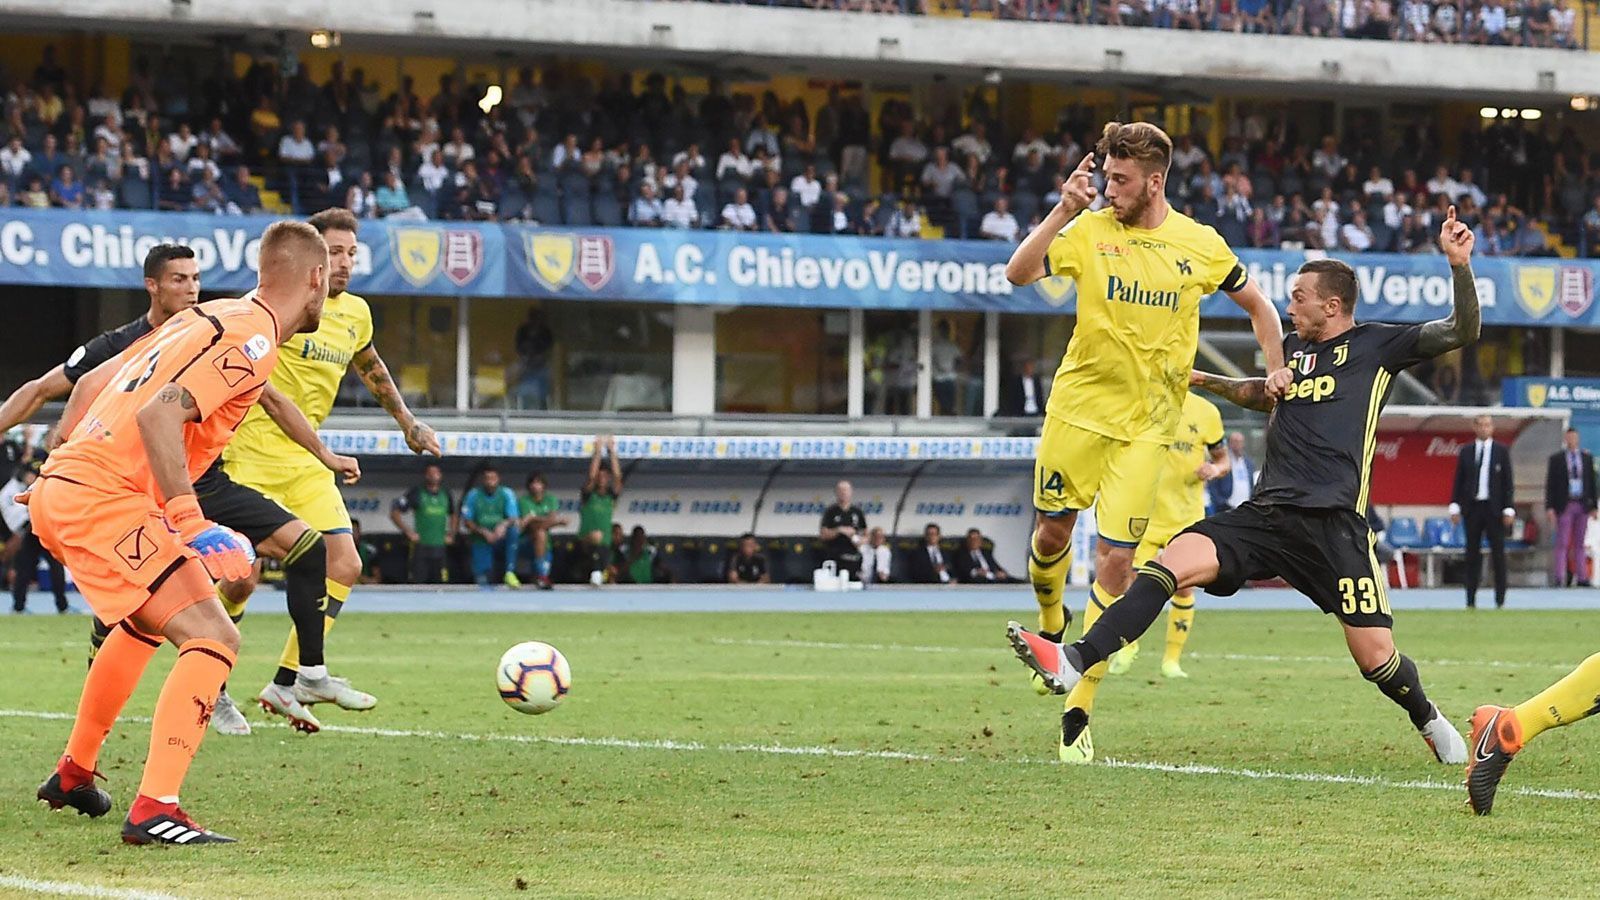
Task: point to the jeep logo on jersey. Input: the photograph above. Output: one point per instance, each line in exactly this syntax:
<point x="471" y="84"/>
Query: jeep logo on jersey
<point x="1135" y="293"/>
<point x="1313" y="389"/>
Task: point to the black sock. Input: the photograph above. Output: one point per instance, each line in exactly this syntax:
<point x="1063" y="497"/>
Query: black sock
<point x="305" y="576"/>
<point x="285" y="677"/>
<point x="98" y="632"/>
<point x="1128" y="618"/>
<point x="1399" y="681"/>
<point x="1055" y="636"/>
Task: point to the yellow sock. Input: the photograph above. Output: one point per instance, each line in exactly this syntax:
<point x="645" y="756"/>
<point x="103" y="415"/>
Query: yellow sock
<point x="1049" y="578"/>
<point x="1082" y="695"/>
<point x="1180" y="619"/>
<point x="1574" y="697"/>
<point x="337" y="595"/>
<point x="234" y="610"/>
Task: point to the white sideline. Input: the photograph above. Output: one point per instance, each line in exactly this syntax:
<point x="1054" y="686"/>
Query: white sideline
<point x="838" y="753"/>
<point x="1000" y="650"/>
<point x="73" y="889"/>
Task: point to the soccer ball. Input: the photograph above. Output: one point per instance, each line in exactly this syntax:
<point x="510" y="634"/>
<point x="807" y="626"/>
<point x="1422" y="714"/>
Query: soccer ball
<point x="533" y="677"/>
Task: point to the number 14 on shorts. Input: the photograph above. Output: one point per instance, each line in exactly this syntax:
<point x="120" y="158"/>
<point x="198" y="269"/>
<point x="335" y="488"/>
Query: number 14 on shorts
<point x="1362" y="595"/>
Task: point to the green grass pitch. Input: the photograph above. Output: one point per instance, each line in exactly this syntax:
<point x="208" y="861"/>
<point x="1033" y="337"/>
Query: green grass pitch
<point x="828" y="755"/>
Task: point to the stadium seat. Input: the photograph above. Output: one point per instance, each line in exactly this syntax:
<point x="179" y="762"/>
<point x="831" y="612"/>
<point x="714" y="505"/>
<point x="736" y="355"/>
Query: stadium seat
<point x="489" y="386"/>
<point x="1405" y="534"/>
<point x="134" y="193"/>
<point x="1435" y="530"/>
<point x="575" y="210"/>
<point x="546" y="209"/>
<point x="680" y="557"/>
<point x="711" y="566"/>
<point x="964" y="205"/>
<point x="800" y="560"/>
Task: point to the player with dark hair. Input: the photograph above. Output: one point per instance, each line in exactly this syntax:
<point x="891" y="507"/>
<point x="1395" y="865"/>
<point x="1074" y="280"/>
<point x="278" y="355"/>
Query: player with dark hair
<point x="269" y="460"/>
<point x="1307" y="521"/>
<point x="172" y="279"/>
<point x="146" y="559"/>
<point x="1141" y="269"/>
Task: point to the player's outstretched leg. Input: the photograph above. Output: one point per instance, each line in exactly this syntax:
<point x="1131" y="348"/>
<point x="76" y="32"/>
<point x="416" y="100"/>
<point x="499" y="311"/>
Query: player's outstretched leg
<point x="1062" y="667"/>
<point x="117" y="665"/>
<point x="1397" y="677"/>
<point x="1499" y="733"/>
<point x="1180" y="621"/>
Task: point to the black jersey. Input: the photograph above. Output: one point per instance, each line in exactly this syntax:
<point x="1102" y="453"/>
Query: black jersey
<point x="1320" y="437"/>
<point x="836" y="516"/>
<point x="749" y="569"/>
<point x="104" y="346"/>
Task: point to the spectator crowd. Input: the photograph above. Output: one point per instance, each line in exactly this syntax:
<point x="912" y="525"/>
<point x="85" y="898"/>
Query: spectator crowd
<point x="560" y="149"/>
<point x="1534" y="23"/>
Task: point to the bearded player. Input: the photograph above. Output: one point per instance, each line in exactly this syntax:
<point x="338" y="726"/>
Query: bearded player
<point x="116" y="504"/>
<point x="267" y="460"/>
<point x="1141" y="269"/>
<point x="1307" y="521"/>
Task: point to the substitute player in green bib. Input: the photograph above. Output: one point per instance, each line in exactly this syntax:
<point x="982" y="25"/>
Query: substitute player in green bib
<point x="1141" y="269"/>
<point x="537" y="513"/>
<point x="598" y="504"/>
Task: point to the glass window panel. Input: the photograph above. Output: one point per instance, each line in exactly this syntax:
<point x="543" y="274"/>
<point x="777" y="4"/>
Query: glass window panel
<point x="890" y="365"/>
<point x="416" y="336"/>
<point x="782" y="361"/>
<point x="571" y="355"/>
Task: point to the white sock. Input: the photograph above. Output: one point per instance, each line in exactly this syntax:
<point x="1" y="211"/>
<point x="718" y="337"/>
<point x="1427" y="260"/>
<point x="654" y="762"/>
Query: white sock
<point x="313" y="673"/>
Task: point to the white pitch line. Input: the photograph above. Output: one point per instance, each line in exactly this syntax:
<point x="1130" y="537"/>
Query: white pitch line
<point x="73" y="889"/>
<point x="1000" y="650"/>
<point x="1195" y="769"/>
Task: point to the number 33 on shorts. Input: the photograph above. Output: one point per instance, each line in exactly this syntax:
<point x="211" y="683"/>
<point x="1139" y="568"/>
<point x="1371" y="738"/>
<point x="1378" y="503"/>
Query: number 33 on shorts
<point x="1362" y="595"/>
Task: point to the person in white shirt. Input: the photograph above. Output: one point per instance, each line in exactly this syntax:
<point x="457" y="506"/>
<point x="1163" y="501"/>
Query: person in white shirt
<point x="433" y="173"/>
<point x="458" y="150"/>
<point x="295" y="148"/>
<point x="222" y="145"/>
<point x="1031" y="143"/>
<point x="29" y="550"/>
<point x="182" y="142"/>
<point x="1562" y="19"/>
<point x="738" y="214"/>
<point x="690" y="155"/>
<point x="111" y="132"/>
<point x="1377" y="185"/>
<point x="1356" y="235"/>
<point x="1233" y="491"/>
<point x="680" y="177"/>
<point x="975" y="144"/>
<point x="1186" y="157"/>
<point x="1466" y="188"/>
<point x="1416" y="15"/>
<point x="1395" y="211"/>
<point x="877" y="560"/>
<point x="1327" y="157"/>
<point x="1492" y="22"/>
<point x="14" y="158"/>
<point x="646" y="210"/>
<point x="806" y="188"/>
<point x="999" y="224"/>
<point x="733" y="161"/>
<point x="906" y="221"/>
<point x="679" y="211"/>
<point x="1328" y="229"/>
<point x="1442" y="183"/>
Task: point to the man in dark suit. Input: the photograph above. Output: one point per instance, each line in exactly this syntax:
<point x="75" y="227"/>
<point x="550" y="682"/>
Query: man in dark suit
<point x="928" y="562"/>
<point x="1482" y="496"/>
<point x="975" y="565"/>
<point x="1569" y="497"/>
<point x="1022" y="395"/>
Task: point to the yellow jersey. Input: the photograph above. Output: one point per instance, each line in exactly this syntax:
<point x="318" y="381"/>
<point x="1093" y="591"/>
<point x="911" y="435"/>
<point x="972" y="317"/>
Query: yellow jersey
<point x="1127" y="365"/>
<point x="1181" y="501"/>
<point x="310" y="368"/>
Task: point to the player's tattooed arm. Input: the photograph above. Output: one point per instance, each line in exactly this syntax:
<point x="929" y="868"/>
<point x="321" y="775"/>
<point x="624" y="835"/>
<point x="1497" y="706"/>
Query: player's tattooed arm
<point x="1250" y="393"/>
<point x="161" y="424"/>
<point x="1464" y="323"/>
<point x="375" y="375"/>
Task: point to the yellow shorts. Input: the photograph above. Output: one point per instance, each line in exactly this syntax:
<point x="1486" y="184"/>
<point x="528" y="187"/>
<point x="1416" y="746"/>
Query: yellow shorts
<point x="1075" y="467"/>
<point x="308" y="491"/>
<point x="1156" y="538"/>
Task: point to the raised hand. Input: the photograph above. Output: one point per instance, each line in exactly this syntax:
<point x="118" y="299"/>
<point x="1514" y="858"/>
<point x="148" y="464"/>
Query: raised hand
<point x="1078" y="192"/>
<point x="1456" y="239"/>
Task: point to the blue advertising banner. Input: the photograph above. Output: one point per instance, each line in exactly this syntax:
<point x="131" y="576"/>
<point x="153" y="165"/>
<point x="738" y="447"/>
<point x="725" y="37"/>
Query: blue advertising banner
<point x="105" y="249"/>
<point x="1580" y="395"/>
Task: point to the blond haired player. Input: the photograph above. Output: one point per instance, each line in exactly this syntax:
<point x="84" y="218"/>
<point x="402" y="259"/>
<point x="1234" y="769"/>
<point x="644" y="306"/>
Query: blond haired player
<point x="264" y="458"/>
<point x="1141" y="269"/>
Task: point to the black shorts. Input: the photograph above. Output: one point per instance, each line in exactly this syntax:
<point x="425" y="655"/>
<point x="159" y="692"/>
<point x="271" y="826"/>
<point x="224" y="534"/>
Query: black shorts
<point x="226" y="502"/>
<point x="1326" y="554"/>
